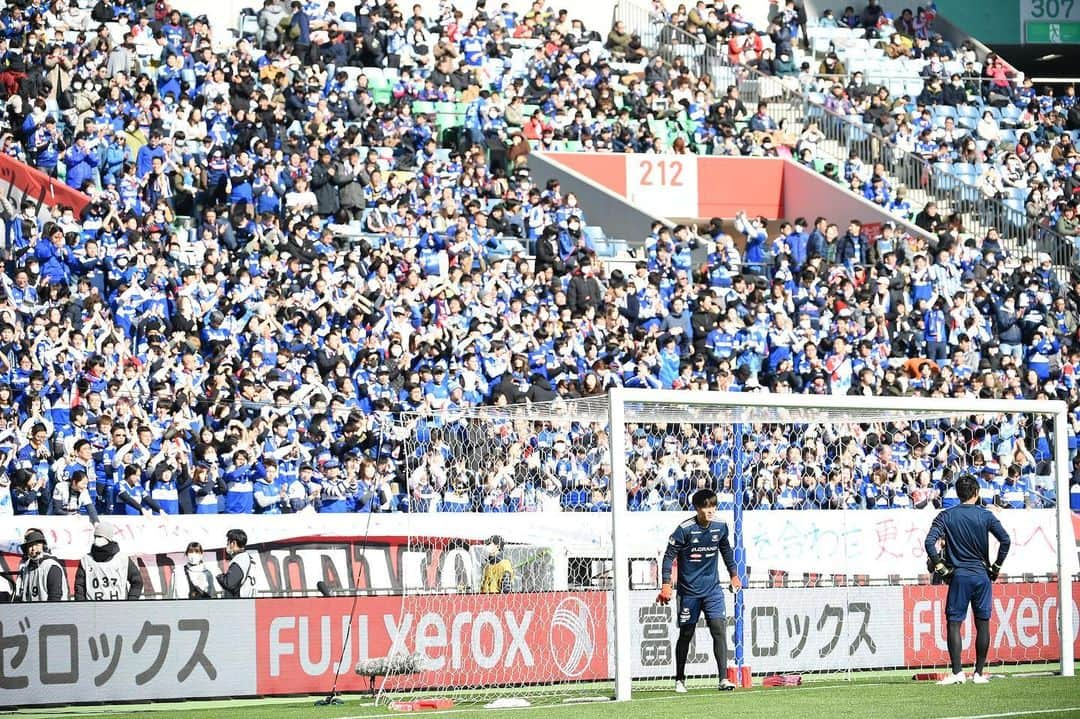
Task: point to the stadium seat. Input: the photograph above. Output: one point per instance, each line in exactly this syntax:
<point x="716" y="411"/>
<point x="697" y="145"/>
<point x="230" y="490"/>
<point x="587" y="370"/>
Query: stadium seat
<point x="422" y="107"/>
<point x="248" y="25"/>
<point x="940" y="112"/>
<point x="619" y="247"/>
<point x="1010" y="113"/>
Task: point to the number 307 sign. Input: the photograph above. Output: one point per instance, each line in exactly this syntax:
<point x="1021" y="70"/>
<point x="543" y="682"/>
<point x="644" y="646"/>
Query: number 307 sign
<point x="1053" y="10"/>
<point x="664" y="185"/>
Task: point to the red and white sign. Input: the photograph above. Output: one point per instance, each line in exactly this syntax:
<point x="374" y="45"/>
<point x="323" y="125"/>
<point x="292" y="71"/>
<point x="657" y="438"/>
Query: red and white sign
<point x="663" y="184"/>
<point x="19" y="182"/>
<point x="466" y="640"/>
<point x="1023" y="625"/>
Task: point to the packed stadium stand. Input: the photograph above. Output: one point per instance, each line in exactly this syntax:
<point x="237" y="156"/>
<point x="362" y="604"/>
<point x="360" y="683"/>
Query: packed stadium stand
<point x="298" y="228"/>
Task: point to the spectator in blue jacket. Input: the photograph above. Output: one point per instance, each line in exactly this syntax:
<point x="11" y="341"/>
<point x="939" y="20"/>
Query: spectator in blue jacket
<point x="80" y="162"/>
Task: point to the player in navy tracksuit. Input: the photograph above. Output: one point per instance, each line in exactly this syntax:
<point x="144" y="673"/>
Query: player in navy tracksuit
<point x="965" y="565"/>
<point x="696" y="544"/>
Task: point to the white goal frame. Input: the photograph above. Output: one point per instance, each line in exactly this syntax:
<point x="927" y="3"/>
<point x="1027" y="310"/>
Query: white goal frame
<point x="619" y="397"/>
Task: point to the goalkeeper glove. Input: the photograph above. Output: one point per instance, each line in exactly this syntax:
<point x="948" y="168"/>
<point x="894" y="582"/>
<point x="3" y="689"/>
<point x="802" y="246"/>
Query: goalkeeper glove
<point x="665" y="594"/>
<point x="994" y="571"/>
<point x="943" y="571"/>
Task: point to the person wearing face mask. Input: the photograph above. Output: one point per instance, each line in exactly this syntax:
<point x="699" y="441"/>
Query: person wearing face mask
<point x="41" y="578"/>
<point x="238" y="582"/>
<point x="106" y="573"/>
<point x="498" y="574"/>
<point x="195" y="580"/>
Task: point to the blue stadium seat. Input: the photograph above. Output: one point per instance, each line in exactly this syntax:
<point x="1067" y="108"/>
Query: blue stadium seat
<point x="940" y="112"/>
<point x="1010" y="113"/>
<point x="968" y="116"/>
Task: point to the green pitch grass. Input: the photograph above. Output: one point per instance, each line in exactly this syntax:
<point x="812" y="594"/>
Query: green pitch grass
<point x="869" y="696"/>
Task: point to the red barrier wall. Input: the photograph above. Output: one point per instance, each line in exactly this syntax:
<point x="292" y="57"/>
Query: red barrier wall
<point x="1023" y="625"/>
<point x="469" y="640"/>
<point x="728" y="185"/>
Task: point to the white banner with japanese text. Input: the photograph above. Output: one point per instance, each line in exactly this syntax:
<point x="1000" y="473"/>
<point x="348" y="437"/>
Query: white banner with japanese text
<point x="74" y="652"/>
<point x="296" y="551"/>
<point x="785" y="630"/>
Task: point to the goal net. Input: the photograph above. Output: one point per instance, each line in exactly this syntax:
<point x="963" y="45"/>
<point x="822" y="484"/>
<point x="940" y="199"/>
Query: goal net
<point x="536" y="572"/>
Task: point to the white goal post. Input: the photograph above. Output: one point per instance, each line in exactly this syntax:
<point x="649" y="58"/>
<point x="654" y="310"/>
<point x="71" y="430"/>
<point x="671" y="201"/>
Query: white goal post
<point x="634" y="406"/>
<point x="576" y="497"/>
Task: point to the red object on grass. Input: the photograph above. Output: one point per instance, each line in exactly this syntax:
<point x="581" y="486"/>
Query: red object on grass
<point x="740" y="679"/>
<point x="929" y="676"/>
<point x="782" y="680"/>
<point x="420" y="705"/>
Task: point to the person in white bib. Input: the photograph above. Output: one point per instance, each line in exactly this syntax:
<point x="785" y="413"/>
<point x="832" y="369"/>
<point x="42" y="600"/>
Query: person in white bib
<point x="238" y="581"/>
<point x="106" y="573"/>
<point x="194" y="580"/>
<point x="41" y="577"/>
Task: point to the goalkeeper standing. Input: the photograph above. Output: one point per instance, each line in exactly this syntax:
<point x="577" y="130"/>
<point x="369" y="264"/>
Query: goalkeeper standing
<point x="696" y="545"/>
<point x="966" y="528"/>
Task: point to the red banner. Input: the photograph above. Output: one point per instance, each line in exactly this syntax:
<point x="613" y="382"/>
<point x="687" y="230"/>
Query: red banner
<point x="467" y="640"/>
<point x="1023" y="626"/>
<point x="32" y="184"/>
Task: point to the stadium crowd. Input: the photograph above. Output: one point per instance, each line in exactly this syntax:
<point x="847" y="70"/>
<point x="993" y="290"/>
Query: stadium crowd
<point x="971" y="116"/>
<point x="284" y="272"/>
<point x="974" y="118"/>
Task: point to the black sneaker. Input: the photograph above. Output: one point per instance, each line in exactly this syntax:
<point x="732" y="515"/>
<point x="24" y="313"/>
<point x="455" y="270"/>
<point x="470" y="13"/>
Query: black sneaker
<point x="726" y="685"/>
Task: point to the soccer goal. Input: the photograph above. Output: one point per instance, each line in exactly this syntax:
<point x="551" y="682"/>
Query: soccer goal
<point x="524" y="574"/>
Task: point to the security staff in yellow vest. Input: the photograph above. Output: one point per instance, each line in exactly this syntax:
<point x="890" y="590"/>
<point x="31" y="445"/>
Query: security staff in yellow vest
<point x="106" y="573"/>
<point x="498" y="572"/>
<point x="41" y="577"/>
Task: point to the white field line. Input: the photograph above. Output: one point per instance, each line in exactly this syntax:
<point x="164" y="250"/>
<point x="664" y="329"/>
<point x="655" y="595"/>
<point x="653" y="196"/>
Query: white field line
<point x="1028" y="712"/>
<point x="667" y="696"/>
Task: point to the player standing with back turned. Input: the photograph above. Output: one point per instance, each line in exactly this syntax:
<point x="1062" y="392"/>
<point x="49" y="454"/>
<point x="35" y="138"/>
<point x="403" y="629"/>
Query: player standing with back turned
<point x="696" y="544"/>
<point x="967" y="569"/>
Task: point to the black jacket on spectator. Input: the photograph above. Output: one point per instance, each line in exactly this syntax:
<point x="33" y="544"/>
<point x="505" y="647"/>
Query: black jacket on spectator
<point x="324" y="185"/>
<point x="547" y="254"/>
<point x="853" y="248"/>
<point x="584" y="292"/>
<point x="703" y="321"/>
<point x="953" y="95"/>
<point x="540" y="390"/>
